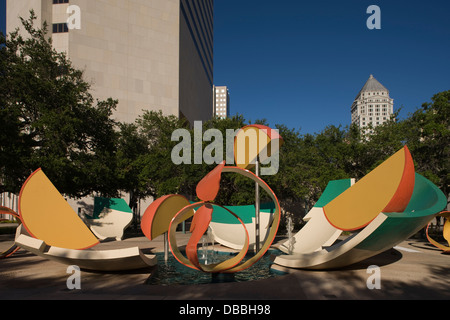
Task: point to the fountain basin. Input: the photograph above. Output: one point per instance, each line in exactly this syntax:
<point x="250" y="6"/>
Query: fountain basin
<point x="171" y="272"/>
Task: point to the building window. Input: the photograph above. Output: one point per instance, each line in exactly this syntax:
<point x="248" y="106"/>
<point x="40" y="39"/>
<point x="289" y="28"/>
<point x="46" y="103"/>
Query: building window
<point x="60" y="28"/>
<point x="60" y="1"/>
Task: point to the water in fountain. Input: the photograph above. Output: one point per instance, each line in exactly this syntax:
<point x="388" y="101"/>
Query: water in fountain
<point x="174" y="273"/>
<point x="207" y="249"/>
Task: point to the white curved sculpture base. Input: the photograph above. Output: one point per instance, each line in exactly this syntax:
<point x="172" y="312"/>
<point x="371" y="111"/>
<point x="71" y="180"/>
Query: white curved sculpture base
<point x="107" y="260"/>
<point x="314" y="236"/>
<point x="339" y="255"/>
<point x="233" y="235"/>
<point x="110" y="224"/>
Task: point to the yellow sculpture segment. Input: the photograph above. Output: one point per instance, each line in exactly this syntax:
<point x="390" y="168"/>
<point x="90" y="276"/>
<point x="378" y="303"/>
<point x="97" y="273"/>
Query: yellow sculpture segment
<point x="160" y="213"/>
<point x="359" y="205"/>
<point x="255" y="141"/>
<point x="47" y="216"/>
<point x="446" y="233"/>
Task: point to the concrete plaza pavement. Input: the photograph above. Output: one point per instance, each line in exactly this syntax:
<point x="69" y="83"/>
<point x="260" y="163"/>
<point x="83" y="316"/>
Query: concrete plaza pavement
<point x="412" y="270"/>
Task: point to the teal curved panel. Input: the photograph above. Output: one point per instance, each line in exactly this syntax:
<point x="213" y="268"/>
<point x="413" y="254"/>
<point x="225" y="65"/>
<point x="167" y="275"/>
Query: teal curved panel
<point x="114" y="204"/>
<point x="333" y="189"/>
<point x="246" y="213"/>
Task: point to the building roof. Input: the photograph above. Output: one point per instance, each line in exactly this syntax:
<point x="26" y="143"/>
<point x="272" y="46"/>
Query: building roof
<point x="372" y="85"/>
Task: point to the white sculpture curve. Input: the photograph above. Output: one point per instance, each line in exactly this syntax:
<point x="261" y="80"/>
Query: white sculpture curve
<point x="110" y="224"/>
<point x="94" y="260"/>
<point x="337" y="256"/>
<point x="233" y="235"/>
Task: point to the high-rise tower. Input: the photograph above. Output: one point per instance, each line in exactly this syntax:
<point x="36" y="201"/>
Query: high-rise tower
<point x="221" y="107"/>
<point x="372" y="105"/>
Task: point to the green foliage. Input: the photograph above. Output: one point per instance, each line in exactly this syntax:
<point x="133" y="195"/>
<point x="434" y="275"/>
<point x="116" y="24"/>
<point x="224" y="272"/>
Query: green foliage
<point x="427" y="134"/>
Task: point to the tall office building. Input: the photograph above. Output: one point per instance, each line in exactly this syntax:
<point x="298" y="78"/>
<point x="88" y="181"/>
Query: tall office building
<point x="221" y="105"/>
<point x="148" y="54"/>
<point x="372" y="104"/>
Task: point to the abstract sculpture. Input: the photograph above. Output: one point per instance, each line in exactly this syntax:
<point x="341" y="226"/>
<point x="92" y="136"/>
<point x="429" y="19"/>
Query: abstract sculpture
<point x="54" y="231"/>
<point x="255" y="143"/>
<point x="164" y="209"/>
<point x="47" y="216"/>
<point x="386" y="189"/>
<point x="318" y="233"/>
<point x="227" y="230"/>
<point x="166" y="213"/>
<point x="407" y="203"/>
<point x="96" y="260"/>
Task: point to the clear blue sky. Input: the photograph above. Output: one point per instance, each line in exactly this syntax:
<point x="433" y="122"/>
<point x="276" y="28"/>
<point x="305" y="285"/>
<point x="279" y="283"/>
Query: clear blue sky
<point x="301" y="63"/>
<point x="3" y="15"/>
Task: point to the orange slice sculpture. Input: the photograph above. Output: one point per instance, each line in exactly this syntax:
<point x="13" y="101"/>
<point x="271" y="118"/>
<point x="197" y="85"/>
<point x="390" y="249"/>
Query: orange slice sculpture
<point x="388" y="188"/>
<point x="160" y="213"/>
<point x="255" y="141"/>
<point x="47" y="216"/>
<point x="208" y="188"/>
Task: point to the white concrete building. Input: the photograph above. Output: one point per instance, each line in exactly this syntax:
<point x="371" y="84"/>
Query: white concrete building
<point x="221" y="105"/>
<point x="372" y="104"/>
<point x="148" y="54"/>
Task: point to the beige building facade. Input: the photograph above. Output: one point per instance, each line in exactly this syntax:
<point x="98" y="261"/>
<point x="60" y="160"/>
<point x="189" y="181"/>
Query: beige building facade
<point x="147" y="54"/>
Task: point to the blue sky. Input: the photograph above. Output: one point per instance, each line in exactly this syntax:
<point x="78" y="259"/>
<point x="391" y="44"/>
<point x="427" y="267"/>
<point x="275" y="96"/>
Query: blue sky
<point x="3" y="15"/>
<point x="301" y="63"/>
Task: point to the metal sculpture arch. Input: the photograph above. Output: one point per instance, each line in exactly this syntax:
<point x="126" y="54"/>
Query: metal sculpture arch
<point x="207" y="190"/>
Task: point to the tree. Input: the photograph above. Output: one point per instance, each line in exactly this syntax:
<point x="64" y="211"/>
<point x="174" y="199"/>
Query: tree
<point x="49" y="119"/>
<point x="144" y="150"/>
<point x="428" y="135"/>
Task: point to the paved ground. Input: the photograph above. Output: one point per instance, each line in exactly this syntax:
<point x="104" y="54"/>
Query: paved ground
<point x="413" y="270"/>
